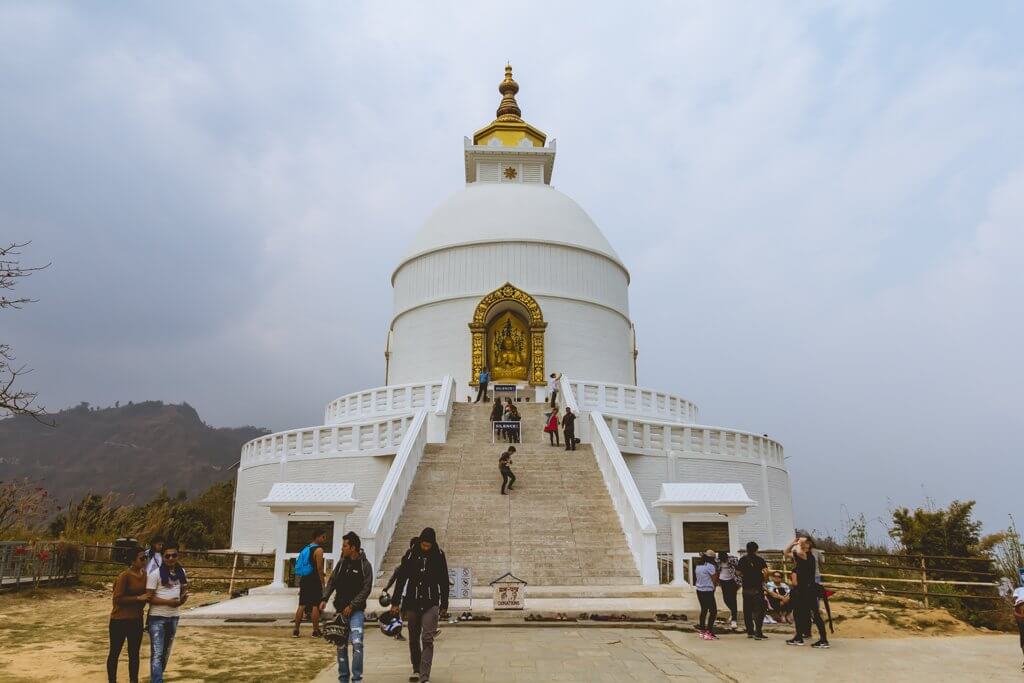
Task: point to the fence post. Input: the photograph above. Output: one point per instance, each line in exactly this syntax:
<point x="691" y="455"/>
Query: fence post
<point x="231" y="583"/>
<point x="924" y="580"/>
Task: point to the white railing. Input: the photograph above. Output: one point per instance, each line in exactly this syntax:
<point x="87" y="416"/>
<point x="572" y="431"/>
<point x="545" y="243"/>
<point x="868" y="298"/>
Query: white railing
<point x="374" y="437"/>
<point x="389" y="400"/>
<point x="641" y="534"/>
<point x="653" y="437"/>
<point x="442" y="416"/>
<point x="607" y="397"/>
<point x="387" y="508"/>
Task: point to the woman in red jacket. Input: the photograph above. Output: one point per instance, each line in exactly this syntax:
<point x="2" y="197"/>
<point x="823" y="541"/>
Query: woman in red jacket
<point x="552" y="427"/>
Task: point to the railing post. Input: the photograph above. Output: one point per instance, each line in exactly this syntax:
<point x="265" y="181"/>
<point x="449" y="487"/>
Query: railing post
<point x="924" y="580"/>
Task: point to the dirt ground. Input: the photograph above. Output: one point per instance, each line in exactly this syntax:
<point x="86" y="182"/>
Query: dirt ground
<point x="61" y="634"/>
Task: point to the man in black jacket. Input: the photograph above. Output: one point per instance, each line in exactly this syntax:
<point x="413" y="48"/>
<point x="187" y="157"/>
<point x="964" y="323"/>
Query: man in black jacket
<point x="569" y="427"/>
<point x="423" y="590"/>
<point x="350" y="582"/>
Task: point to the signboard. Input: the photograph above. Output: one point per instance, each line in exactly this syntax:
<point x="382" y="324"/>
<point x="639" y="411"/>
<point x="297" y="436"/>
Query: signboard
<point x="700" y="536"/>
<point x="300" y="534"/>
<point x="460" y="583"/>
<point x="509" y="592"/>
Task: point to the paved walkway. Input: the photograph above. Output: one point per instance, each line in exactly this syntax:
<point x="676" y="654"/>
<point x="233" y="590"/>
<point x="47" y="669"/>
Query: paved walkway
<point x="607" y="655"/>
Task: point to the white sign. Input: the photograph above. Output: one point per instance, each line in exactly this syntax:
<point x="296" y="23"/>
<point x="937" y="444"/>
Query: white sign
<point x="460" y="583"/>
<point x="509" y="595"/>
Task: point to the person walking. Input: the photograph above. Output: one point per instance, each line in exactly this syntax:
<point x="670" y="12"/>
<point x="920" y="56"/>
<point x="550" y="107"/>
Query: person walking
<point x="753" y="571"/>
<point x="569" y="429"/>
<point x="154" y="555"/>
<point x="350" y="583"/>
<point x="508" y="479"/>
<point x="309" y="567"/>
<point x="1018" y="615"/>
<point x="805" y="593"/>
<point x="423" y="587"/>
<point x="727" y="581"/>
<point x="126" y="617"/>
<point x="552" y="427"/>
<point x="166" y="592"/>
<point x="705" y="581"/>
<point x="553" y="384"/>
<point x="484" y="379"/>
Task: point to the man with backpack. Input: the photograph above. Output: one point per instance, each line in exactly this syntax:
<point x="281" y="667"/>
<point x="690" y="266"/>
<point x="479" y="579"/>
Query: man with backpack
<point x="309" y="567"/>
<point x="350" y="583"/>
<point x="423" y="588"/>
<point x="505" y="467"/>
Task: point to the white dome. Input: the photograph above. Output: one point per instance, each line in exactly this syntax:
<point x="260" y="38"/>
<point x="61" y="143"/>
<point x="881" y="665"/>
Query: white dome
<point x="509" y="212"/>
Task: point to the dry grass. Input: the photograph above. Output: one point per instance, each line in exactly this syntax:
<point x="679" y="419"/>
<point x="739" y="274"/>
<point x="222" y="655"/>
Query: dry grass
<point x="61" y="634"/>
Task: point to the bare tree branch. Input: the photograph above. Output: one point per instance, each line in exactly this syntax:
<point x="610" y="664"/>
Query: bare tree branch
<point x="13" y="400"/>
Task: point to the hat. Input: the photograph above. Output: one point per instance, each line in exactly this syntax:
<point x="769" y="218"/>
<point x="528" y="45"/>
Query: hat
<point x="710" y="554"/>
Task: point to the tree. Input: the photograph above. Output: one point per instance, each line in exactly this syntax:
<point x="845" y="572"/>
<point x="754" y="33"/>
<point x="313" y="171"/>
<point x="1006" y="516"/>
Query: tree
<point x="952" y="531"/>
<point x="23" y="505"/>
<point x="13" y="399"/>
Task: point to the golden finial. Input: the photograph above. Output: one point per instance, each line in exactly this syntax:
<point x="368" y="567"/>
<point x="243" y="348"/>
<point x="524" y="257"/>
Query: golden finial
<point x="509" y="110"/>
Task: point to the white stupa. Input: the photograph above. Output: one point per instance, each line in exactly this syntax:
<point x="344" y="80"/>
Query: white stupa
<point x="513" y="275"/>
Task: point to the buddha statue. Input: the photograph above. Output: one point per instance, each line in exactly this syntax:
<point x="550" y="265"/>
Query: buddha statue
<point x="508" y="362"/>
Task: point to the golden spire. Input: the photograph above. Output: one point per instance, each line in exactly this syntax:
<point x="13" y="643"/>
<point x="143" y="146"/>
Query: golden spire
<point x="509" y="129"/>
<point x="509" y="110"/>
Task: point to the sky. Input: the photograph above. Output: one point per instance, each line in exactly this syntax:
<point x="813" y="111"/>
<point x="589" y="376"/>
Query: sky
<point x="821" y="206"/>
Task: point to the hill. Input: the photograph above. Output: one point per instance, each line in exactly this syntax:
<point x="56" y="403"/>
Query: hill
<point x="134" y="449"/>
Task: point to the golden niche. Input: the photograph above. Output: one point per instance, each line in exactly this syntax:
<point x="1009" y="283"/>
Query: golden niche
<point x="509" y="346"/>
<point x="507" y="336"/>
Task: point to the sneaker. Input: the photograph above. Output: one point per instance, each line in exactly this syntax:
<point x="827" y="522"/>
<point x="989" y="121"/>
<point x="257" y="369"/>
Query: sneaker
<point x="769" y="620"/>
<point x="750" y="635"/>
<point x="704" y="635"/>
<point x="317" y="633"/>
<point x="821" y="645"/>
<point x="795" y="641"/>
<point x="295" y="633"/>
<point x="760" y="636"/>
<point x="413" y="677"/>
<point x="712" y="636"/>
<point x="732" y="624"/>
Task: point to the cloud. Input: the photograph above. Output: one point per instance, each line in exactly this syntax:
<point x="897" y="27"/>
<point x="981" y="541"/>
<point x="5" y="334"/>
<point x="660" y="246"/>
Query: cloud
<point x="820" y="208"/>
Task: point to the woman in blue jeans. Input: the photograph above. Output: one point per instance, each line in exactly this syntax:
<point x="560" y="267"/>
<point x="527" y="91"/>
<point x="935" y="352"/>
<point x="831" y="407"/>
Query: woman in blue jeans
<point x="706" y="578"/>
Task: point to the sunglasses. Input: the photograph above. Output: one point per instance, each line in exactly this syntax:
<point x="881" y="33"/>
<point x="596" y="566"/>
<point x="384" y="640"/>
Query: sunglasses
<point x="170" y="555"/>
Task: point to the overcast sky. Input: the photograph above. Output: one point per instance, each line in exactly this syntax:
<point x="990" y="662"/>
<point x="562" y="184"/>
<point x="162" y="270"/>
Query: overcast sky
<point x="822" y="209"/>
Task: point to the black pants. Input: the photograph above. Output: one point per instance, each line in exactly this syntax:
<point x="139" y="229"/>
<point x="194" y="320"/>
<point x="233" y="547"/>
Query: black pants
<point x="729" y="589"/>
<point x="806" y="610"/>
<point x="570" y="439"/>
<point x="708" y="609"/>
<point x="481" y="392"/>
<point x="120" y="631"/>
<point x="1020" y="627"/>
<point x="753" y="612"/>
<point x="553" y="434"/>
<point x="507" y="479"/>
<point x="554" y="396"/>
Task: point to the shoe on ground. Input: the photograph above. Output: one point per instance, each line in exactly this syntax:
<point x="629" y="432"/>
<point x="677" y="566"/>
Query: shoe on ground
<point x="795" y="641"/>
<point x="705" y="635"/>
<point x="750" y="635"/>
<point x="317" y="633"/>
<point x="760" y="636"/>
<point x="413" y="677"/>
<point x="732" y="624"/>
<point x="769" y="620"/>
<point x="821" y="645"/>
<point x="295" y="633"/>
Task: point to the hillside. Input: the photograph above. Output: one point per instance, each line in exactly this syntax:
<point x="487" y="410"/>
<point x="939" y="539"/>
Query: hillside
<point x="133" y="449"/>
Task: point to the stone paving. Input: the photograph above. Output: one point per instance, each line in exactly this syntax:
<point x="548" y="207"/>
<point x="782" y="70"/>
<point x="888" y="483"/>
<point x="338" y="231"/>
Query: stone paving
<point x="516" y="655"/>
<point x="607" y="655"/>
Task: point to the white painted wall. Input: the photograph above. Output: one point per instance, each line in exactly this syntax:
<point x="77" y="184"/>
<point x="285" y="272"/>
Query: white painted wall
<point x="253" y="524"/>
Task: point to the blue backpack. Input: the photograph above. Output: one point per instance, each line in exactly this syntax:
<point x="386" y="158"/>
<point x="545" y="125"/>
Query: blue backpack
<point x="303" y="563"/>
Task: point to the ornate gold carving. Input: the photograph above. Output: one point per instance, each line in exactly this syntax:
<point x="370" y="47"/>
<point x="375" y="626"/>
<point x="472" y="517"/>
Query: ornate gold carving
<point x="534" y="355"/>
<point x="508" y="110"/>
<point x="511" y="172"/>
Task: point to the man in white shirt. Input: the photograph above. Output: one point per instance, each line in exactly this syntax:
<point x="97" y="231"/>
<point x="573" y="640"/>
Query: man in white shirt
<point x="167" y="590"/>
<point x="1018" y="614"/>
<point x="555" y="378"/>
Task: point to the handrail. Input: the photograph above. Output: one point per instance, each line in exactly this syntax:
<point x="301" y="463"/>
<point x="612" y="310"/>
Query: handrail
<point x="369" y="437"/>
<point x="643" y="435"/>
<point x="383" y="517"/>
<point x="640" y="531"/>
<point x="388" y="399"/>
<point x="443" y="409"/>
<point x="565" y="387"/>
<point x="633" y="400"/>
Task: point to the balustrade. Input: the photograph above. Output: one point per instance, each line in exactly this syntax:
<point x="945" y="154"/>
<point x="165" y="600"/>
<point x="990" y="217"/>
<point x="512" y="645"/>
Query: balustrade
<point x="624" y="398"/>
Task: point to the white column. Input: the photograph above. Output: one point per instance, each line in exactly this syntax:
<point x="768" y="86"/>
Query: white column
<point x="678" y="577"/>
<point x="280" y="548"/>
<point x="339" y="531"/>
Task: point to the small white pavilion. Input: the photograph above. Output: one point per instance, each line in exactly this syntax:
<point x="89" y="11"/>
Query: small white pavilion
<point x="688" y="503"/>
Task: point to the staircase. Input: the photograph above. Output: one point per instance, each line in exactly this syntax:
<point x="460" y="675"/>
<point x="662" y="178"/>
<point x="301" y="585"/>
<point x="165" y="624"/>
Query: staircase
<point x="557" y="528"/>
